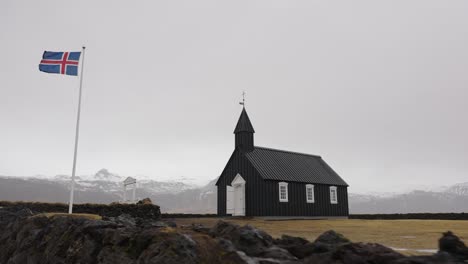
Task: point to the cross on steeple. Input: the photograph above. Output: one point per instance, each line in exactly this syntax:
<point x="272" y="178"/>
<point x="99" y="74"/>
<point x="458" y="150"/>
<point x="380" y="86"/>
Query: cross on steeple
<point x="243" y="99"/>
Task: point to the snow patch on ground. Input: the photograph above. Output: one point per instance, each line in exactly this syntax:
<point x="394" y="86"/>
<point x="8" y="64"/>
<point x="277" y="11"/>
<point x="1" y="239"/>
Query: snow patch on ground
<point x="431" y="251"/>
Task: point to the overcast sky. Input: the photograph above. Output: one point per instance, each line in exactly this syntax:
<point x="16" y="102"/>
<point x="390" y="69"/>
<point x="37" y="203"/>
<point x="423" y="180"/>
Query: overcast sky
<point x="379" y="89"/>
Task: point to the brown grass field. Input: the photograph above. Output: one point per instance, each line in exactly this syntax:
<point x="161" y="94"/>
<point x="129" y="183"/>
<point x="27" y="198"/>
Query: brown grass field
<point x="87" y="216"/>
<point x="411" y="237"/>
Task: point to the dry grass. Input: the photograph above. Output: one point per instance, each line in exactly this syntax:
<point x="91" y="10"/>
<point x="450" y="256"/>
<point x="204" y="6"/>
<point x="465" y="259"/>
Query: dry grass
<point x="87" y="216"/>
<point x="402" y="234"/>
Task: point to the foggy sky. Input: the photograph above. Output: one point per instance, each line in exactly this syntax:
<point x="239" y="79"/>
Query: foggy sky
<point x="377" y="88"/>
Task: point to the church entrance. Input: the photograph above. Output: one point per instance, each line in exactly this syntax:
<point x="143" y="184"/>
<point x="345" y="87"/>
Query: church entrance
<point x="239" y="200"/>
<point x="238" y="185"/>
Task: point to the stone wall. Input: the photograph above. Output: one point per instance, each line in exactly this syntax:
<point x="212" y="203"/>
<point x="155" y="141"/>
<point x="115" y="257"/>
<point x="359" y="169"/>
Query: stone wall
<point x="146" y="211"/>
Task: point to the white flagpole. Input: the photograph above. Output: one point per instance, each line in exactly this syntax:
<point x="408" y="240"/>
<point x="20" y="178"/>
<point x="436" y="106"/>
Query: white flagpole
<point x="77" y="132"/>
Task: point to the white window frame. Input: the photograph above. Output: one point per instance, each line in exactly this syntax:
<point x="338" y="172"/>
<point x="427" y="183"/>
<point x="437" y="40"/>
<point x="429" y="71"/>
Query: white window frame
<point x="310" y="199"/>
<point x="285" y="185"/>
<point x="333" y="201"/>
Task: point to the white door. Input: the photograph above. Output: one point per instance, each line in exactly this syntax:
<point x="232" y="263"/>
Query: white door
<point x="239" y="200"/>
<point x="229" y="200"/>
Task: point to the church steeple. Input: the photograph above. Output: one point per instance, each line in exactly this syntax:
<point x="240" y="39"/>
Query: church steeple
<point x="244" y="132"/>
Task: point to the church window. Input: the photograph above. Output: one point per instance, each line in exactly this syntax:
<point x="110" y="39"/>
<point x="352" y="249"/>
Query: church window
<point x="283" y="191"/>
<point x="310" y="195"/>
<point x="333" y="195"/>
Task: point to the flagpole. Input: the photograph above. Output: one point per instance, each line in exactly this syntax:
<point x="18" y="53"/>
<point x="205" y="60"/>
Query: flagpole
<point x="77" y="132"/>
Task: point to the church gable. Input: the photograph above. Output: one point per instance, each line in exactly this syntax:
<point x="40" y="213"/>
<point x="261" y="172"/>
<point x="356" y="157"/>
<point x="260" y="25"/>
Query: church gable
<point x="237" y="164"/>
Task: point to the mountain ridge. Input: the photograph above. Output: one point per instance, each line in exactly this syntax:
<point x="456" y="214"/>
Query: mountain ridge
<point x="180" y="197"/>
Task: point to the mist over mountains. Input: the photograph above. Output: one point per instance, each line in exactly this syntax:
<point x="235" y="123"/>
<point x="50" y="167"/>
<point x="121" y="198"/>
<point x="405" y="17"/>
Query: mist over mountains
<point x="182" y="197"/>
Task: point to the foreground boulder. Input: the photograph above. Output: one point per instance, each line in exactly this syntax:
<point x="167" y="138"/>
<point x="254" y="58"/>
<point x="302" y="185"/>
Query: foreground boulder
<point x="248" y="239"/>
<point x="145" y="201"/>
<point x="63" y="239"/>
<point x="297" y="246"/>
<point x="450" y="243"/>
<point x="253" y="242"/>
<point x="7" y="217"/>
<point x="362" y="253"/>
<point x="301" y="248"/>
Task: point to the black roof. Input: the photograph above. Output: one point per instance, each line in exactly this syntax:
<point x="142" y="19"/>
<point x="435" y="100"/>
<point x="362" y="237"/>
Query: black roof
<point x="244" y="125"/>
<point x="280" y="165"/>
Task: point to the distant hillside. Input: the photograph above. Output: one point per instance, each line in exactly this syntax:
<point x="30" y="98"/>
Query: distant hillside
<point x="19" y="189"/>
<point x="179" y="197"/>
<point x="105" y="187"/>
<point x="453" y="199"/>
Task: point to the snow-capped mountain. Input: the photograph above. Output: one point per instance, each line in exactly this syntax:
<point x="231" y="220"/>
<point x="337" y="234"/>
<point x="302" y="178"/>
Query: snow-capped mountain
<point x="181" y="197"/>
<point x="459" y="189"/>
<point x="103" y="180"/>
<point x="101" y="187"/>
<point x="105" y="175"/>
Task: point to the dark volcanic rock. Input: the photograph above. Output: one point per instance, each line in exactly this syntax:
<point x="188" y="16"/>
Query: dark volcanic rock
<point x="359" y="253"/>
<point x="332" y="237"/>
<point x="277" y="253"/>
<point x="123" y="219"/>
<point x="142" y="210"/>
<point x="328" y="241"/>
<point x="126" y="239"/>
<point x="8" y="216"/>
<point x="297" y="246"/>
<point x="366" y="253"/>
<point x="145" y="201"/>
<point x="248" y="239"/>
<point x="254" y="242"/>
<point x="63" y="239"/>
<point x="170" y="247"/>
<point x="452" y="244"/>
<point x="200" y="228"/>
<point x="434" y="259"/>
<point x="128" y="220"/>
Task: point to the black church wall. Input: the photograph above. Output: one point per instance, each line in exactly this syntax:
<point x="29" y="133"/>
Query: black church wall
<point x="262" y="197"/>
<point x="297" y="203"/>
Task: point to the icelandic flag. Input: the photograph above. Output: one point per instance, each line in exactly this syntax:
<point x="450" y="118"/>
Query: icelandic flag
<point x="60" y="62"/>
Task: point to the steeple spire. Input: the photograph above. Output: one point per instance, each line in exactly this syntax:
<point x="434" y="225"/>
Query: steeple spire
<point x="244" y="125"/>
<point x="244" y="132"/>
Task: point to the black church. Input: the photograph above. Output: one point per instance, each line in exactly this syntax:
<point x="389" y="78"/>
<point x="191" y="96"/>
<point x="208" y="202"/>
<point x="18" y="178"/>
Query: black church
<point x="259" y="181"/>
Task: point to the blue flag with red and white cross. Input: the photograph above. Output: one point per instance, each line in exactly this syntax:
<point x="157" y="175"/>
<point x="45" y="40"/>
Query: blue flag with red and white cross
<point x="60" y="62"/>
